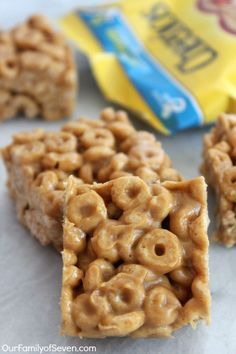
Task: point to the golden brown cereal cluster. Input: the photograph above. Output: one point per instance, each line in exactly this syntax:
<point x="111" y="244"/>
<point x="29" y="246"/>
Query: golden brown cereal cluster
<point x="40" y="162"/>
<point x="37" y="72"/>
<point x="135" y="257"/>
<point x="219" y="168"/>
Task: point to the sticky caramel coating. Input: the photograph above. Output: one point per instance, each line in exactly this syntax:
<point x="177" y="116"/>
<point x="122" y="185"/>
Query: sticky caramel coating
<point x="127" y="276"/>
<point x="219" y="156"/>
<point x="40" y="162"/>
<point x="37" y="72"/>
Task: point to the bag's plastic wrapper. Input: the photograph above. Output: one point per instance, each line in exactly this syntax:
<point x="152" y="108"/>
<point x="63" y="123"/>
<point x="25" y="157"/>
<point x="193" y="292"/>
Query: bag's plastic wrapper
<point x="171" y="61"/>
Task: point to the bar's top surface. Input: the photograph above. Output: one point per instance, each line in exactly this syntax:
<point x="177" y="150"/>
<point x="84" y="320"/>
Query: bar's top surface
<point x="40" y="162"/>
<point x="135" y="258"/>
<point x="93" y="150"/>
<point x="36" y="47"/>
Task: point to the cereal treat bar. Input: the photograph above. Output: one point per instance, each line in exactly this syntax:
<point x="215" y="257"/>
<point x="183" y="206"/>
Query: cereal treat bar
<point x="135" y="258"/>
<point x="219" y="168"/>
<point x="40" y="162"/>
<point x="37" y="72"/>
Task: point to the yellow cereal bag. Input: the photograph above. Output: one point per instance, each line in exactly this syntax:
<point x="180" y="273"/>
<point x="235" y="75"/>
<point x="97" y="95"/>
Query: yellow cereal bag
<point x="172" y="61"/>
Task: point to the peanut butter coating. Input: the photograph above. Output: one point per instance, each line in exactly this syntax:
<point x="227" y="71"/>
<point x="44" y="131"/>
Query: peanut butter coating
<point x="142" y="276"/>
<point x="40" y="162"/>
<point x="37" y="72"/>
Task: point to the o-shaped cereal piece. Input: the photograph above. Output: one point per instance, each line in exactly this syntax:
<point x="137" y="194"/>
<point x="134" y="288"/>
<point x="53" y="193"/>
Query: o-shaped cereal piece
<point x="160" y="250"/>
<point x="84" y="313"/>
<point x="27" y="137"/>
<point x="121" y="130"/>
<point x="145" y="275"/>
<point x="181" y="219"/>
<point x="113" y="241"/>
<point x="60" y="142"/>
<point x="47" y="180"/>
<point x="97" y="272"/>
<point x="219" y="160"/>
<point x="117" y="164"/>
<point x="77" y="128"/>
<point x="74" y="239"/>
<point x="9" y="67"/>
<point x="122" y="325"/>
<point x="161" y="306"/>
<point x="97" y="137"/>
<point x="26" y="105"/>
<point x="30" y="152"/>
<point x="150" y="156"/>
<point x="104" y="240"/>
<point x="124" y="292"/>
<point x="126" y="241"/>
<point x="127" y="192"/>
<point x="72" y="275"/>
<point x="98" y="153"/>
<point x="147" y="174"/>
<point x="161" y="203"/>
<point x="230" y="183"/>
<point x="62" y="179"/>
<point x="136" y="270"/>
<point x="86" y="211"/>
<point x="108" y="114"/>
<point x="68" y="162"/>
<point x="136" y="139"/>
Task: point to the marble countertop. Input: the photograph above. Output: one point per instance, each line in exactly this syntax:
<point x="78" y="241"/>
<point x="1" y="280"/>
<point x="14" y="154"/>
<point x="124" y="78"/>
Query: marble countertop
<point x="31" y="275"/>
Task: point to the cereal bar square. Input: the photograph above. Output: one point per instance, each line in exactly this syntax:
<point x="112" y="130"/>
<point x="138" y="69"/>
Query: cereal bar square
<point x="37" y="72"/>
<point x="135" y="258"/>
<point x="219" y="168"/>
<point x="39" y="163"/>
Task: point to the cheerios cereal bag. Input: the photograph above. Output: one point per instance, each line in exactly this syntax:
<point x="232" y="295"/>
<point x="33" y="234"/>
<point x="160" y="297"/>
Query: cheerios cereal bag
<point x="171" y="61"/>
